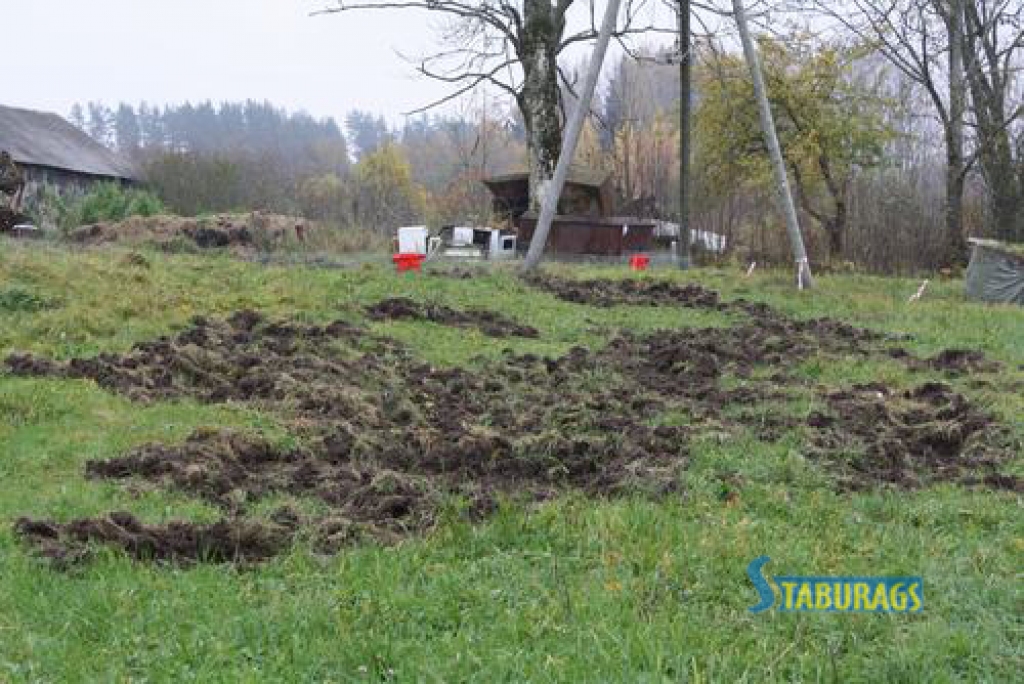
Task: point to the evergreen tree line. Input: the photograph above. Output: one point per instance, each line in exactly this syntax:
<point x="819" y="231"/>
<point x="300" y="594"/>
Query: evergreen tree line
<point x="203" y="158"/>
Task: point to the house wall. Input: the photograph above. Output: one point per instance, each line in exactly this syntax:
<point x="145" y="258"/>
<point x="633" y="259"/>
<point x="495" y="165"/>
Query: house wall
<point x="67" y="184"/>
<point x="583" y="235"/>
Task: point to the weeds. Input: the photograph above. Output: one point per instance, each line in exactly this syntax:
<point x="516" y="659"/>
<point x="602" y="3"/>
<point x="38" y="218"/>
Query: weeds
<point x="108" y="201"/>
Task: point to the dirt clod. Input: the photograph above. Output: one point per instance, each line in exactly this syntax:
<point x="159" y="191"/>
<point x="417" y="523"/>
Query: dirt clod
<point x="181" y="542"/>
<point x="490" y="323"/>
<point x="874" y="436"/>
<point x="608" y="292"/>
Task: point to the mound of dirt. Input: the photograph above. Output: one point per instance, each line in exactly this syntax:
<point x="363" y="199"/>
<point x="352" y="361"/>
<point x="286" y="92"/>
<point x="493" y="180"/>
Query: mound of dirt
<point x="835" y="335"/>
<point x="182" y="542"/>
<point x="243" y="358"/>
<point x="609" y="292"/>
<point x="386" y="441"/>
<point x="246" y="231"/>
<point x="490" y="323"/>
<point x="9" y="219"/>
<point x="874" y="436"/>
<point x="955" y="362"/>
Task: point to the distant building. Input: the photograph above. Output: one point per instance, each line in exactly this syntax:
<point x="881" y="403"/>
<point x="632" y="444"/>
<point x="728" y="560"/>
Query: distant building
<point x="585" y="223"/>
<point x="50" y="151"/>
<point x="587" y="192"/>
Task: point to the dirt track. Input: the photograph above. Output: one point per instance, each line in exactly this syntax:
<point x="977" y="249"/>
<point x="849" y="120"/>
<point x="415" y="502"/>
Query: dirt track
<point x="388" y="442"/>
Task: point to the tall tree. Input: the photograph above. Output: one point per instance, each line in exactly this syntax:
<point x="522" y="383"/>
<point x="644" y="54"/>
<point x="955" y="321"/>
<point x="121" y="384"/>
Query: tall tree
<point x="514" y="46"/>
<point x="367" y="132"/>
<point x="947" y="47"/>
<point x="77" y="116"/>
<point x="553" y="190"/>
<point x="98" y="123"/>
<point x="831" y="126"/>
<point x="993" y="59"/>
<point x="126" y="129"/>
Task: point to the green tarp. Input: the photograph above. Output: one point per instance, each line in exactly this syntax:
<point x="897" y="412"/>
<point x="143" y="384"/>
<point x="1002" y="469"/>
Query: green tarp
<point x="996" y="272"/>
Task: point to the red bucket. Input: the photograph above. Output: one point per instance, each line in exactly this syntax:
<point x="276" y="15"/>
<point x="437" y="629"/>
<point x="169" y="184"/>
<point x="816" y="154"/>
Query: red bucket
<point x="639" y="262"/>
<point x="407" y="262"/>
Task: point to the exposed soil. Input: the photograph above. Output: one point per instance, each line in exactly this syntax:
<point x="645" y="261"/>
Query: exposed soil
<point x="873" y="435"/>
<point x="243" y="358"/>
<point x="957" y="362"/>
<point x="386" y="443"/>
<point x="247" y="231"/>
<point x="609" y="292"/>
<point x="183" y="542"/>
<point x="488" y="322"/>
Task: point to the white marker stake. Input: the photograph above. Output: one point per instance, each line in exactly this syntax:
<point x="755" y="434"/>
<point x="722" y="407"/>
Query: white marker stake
<point x="750" y="270"/>
<point x="917" y="295"/>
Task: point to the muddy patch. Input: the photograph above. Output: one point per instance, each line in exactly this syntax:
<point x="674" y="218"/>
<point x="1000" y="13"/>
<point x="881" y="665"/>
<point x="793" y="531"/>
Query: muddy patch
<point x="872" y="435"/>
<point x="834" y="335"/>
<point x="957" y="362"/>
<point x="609" y="292"/>
<point x="457" y="272"/>
<point x="181" y="542"/>
<point x="489" y="323"/>
<point x="384" y="443"/>
<point x="243" y="358"/>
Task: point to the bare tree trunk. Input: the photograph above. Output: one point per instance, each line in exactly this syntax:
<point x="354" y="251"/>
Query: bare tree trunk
<point x="956" y="245"/>
<point x="539" y="97"/>
<point x="553" y="190"/>
<point x="685" y="125"/>
<point x="988" y="77"/>
<point x="771" y="139"/>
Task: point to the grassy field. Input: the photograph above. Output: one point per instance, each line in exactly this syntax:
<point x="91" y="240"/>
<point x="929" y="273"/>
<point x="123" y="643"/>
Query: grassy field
<point x="622" y="589"/>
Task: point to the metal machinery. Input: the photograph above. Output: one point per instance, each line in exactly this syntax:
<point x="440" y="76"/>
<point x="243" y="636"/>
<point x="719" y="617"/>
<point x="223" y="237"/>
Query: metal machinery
<point x="457" y="242"/>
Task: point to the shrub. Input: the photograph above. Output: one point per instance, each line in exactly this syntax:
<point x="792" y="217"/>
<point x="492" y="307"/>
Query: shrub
<point x="103" y="202"/>
<point x="114" y="202"/>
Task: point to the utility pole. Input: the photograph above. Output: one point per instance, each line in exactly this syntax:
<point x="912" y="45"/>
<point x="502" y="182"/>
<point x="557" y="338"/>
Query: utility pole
<point x="572" y="137"/>
<point x="685" y="126"/>
<point x="771" y="139"/>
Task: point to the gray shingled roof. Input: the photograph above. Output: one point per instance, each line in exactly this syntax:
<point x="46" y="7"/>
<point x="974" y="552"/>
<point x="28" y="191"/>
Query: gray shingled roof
<point x="43" y="139"/>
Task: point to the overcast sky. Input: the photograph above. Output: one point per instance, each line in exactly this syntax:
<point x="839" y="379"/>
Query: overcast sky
<point x="170" y="51"/>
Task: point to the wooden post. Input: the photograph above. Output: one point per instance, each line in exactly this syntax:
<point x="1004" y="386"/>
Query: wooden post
<point x="771" y="139"/>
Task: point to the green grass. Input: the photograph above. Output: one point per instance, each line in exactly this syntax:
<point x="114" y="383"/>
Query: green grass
<point x="575" y="590"/>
